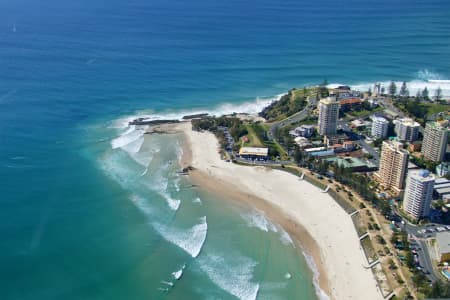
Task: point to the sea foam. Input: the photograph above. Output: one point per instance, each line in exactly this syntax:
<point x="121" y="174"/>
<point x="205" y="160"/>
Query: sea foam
<point x="423" y="78"/>
<point x="190" y="240"/>
<point x="312" y="265"/>
<point x="233" y="276"/>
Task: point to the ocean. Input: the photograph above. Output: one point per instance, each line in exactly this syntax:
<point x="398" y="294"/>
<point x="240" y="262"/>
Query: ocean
<point x="93" y="209"/>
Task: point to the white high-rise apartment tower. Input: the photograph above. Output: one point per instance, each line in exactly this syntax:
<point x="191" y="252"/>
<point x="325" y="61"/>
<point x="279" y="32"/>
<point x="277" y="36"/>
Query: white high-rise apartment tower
<point x="418" y="193"/>
<point x="434" y="143"/>
<point x="328" y="115"/>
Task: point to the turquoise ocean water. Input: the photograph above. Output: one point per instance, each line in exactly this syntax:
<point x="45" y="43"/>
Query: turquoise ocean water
<point x="92" y="209"/>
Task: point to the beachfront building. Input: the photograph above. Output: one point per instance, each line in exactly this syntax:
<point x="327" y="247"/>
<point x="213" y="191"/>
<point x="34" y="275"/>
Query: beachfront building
<point x="406" y="129"/>
<point x="379" y="127"/>
<point x="418" y="193"/>
<point x="328" y="115"/>
<point x="254" y="153"/>
<point x="393" y="166"/>
<point x="443" y="246"/>
<point x="434" y="143"/>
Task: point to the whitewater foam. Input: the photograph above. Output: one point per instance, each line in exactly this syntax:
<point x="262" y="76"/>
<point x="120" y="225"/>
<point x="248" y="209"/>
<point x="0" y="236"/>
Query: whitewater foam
<point x="197" y="200"/>
<point x="145" y="172"/>
<point x="286" y="238"/>
<point x="169" y="283"/>
<point x="130" y="135"/>
<point x="423" y="78"/>
<point x="250" y="107"/>
<point x="234" y="276"/>
<point x="190" y="240"/>
<point x="177" y="274"/>
<point x="312" y="265"/>
<point x="258" y="220"/>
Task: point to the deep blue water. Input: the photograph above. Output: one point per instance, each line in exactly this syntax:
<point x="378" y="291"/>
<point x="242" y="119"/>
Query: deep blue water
<point x="67" y="65"/>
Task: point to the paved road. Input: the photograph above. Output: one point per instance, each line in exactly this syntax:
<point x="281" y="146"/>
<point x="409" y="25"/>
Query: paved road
<point x="422" y="248"/>
<point x="361" y="142"/>
<point x="297" y="117"/>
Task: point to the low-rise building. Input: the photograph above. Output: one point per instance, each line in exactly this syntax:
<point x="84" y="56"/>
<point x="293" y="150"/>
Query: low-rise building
<point x="443" y="246"/>
<point x="303" y="130"/>
<point x="353" y="163"/>
<point x="254" y="153"/>
<point x="442" y="169"/>
<point x="414" y="146"/>
<point x="335" y="139"/>
<point x="351" y="103"/>
<point x="302" y="142"/>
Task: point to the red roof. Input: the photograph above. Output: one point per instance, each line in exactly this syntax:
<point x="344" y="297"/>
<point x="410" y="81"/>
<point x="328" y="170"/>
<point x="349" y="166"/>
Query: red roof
<point x="350" y="101"/>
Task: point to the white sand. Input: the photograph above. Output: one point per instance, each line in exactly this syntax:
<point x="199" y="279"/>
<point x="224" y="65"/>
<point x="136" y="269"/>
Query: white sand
<point x="328" y="224"/>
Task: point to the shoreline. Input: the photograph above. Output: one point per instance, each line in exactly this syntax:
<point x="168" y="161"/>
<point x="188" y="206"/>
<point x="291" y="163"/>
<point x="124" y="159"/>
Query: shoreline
<point x="333" y="243"/>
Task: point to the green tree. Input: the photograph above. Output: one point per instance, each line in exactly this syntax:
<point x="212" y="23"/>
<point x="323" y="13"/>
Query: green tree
<point x="438" y="94"/>
<point x="404" y="90"/>
<point x="392" y="89"/>
<point x="425" y="93"/>
<point x="298" y="155"/>
<point x="418" y="95"/>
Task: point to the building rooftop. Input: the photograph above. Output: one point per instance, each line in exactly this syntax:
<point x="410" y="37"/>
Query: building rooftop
<point x="352" y="100"/>
<point x="322" y="153"/>
<point x="441" y="186"/>
<point x="412" y="166"/>
<point x="441" y="180"/>
<point x="350" y="162"/>
<point x="407" y="122"/>
<point x="379" y="119"/>
<point x="328" y="100"/>
<point x="441" y="125"/>
<point x="443" y="191"/>
<point x="443" y="239"/>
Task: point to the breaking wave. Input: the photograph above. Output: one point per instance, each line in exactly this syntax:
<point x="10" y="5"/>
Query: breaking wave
<point x="312" y="265"/>
<point x="423" y="78"/>
<point x="190" y="240"/>
<point x="258" y="220"/>
<point x="234" y="277"/>
<point x="177" y="274"/>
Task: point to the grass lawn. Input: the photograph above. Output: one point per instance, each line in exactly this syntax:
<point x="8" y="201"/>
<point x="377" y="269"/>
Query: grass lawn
<point x="364" y="113"/>
<point x="254" y="141"/>
<point x="433" y="108"/>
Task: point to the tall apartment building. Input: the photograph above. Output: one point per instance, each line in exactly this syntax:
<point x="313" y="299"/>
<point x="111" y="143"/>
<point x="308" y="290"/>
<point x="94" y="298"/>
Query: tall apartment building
<point x="328" y="115"/>
<point x="406" y="129"/>
<point x="418" y="193"/>
<point x="434" y="143"/>
<point x="379" y="127"/>
<point x="393" y="166"/>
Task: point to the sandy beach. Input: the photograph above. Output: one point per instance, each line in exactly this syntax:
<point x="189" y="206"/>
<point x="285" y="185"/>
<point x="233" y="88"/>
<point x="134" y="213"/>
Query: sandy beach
<point x="323" y="229"/>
